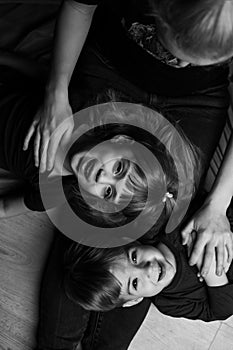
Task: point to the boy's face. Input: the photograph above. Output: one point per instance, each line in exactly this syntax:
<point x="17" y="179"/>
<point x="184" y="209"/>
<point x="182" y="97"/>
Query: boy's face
<point x="144" y="271"/>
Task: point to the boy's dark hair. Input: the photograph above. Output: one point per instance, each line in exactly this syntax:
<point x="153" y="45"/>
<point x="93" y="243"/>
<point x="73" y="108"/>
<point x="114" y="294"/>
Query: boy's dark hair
<point x="87" y="277"/>
<point x="202" y="28"/>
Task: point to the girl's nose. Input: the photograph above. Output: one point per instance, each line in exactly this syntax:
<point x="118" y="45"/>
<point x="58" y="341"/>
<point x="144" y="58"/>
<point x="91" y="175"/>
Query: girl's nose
<point x="106" y="178"/>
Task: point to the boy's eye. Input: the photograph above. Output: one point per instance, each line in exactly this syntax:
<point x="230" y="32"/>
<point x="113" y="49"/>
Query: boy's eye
<point x="135" y="283"/>
<point x="118" y="168"/>
<point x="134" y="256"/>
<point x="108" y="192"/>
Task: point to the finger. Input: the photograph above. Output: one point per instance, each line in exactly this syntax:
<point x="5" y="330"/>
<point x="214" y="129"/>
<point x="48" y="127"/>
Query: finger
<point x="197" y="250"/>
<point x="191" y="242"/>
<point x="28" y="136"/>
<point x="229" y="246"/>
<point x="186" y="232"/>
<point x="228" y="255"/>
<point x="220" y="259"/>
<point x="43" y="151"/>
<point x="52" y="150"/>
<point x="67" y="135"/>
<point x="37" y="147"/>
<point x="208" y="257"/>
<point x="227" y="263"/>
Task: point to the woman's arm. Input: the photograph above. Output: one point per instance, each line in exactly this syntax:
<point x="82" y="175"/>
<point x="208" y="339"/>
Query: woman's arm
<point x="210" y="222"/>
<point x="71" y="31"/>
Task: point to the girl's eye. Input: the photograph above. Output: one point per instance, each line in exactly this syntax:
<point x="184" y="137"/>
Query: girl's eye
<point x="134" y="256"/>
<point x="108" y="192"/>
<point x="135" y="283"/>
<point x="118" y="168"/>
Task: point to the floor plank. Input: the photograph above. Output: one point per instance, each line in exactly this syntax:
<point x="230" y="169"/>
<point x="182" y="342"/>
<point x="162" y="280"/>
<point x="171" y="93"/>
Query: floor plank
<point x="161" y="332"/>
<point x="223" y="339"/>
<point x="24" y="244"/>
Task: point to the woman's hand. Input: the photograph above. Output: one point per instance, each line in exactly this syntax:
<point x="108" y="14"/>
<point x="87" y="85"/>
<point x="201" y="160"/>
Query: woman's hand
<point x="54" y="111"/>
<point x="209" y="231"/>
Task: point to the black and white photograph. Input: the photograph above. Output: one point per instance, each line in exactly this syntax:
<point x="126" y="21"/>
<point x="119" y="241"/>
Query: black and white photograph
<point x="116" y="174"/>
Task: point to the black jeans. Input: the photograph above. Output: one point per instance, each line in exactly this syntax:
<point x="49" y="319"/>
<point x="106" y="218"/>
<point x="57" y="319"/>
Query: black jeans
<point x="202" y="116"/>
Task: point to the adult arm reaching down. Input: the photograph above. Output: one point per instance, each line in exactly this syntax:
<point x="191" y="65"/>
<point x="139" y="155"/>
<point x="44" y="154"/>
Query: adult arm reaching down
<point x="210" y="224"/>
<point x="70" y="35"/>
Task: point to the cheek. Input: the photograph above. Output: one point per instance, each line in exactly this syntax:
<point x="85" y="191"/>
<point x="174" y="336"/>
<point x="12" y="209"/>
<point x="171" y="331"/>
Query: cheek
<point x="82" y="182"/>
<point x="91" y="189"/>
<point x="152" y="289"/>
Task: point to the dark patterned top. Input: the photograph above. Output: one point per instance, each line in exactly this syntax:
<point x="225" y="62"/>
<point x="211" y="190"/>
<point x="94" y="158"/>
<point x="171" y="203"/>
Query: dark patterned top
<point x="146" y="36"/>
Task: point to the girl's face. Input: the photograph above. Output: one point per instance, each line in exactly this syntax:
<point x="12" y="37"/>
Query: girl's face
<point x="144" y="271"/>
<point x="104" y="169"/>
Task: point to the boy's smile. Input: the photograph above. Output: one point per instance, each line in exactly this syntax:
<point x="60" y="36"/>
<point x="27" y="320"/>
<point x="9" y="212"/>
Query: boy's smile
<point x="144" y="271"/>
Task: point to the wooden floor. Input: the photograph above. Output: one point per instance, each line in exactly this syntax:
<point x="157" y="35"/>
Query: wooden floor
<point x="24" y="244"/>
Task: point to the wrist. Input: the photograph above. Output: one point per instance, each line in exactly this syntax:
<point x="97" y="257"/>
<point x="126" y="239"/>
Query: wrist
<point x="219" y="201"/>
<point x="57" y="85"/>
<point x="57" y="92"/>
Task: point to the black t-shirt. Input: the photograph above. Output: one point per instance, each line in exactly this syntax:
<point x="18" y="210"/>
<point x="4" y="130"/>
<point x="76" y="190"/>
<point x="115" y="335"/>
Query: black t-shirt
<point x="19" y="101"/>
<point x="187" y="297"/>
<point x="109" y="32"/>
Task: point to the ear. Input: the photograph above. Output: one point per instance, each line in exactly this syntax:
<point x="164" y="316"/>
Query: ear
<point x="132" y="302"/>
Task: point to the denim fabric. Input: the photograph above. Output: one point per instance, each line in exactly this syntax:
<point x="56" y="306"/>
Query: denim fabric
<point x="202" y="116"/>
<point x="62" y="323"/>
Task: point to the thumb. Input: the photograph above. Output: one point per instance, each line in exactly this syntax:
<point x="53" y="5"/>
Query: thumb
<point x="186" y="232"/>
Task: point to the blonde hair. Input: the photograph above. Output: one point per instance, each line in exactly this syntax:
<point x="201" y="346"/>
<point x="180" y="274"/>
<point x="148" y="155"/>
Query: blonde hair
<point x="202" y="28"/>
<point x="173" y="150"/>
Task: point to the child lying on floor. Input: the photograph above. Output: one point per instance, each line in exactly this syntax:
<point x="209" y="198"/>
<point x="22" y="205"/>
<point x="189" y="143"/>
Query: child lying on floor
<point x="102" y="279"/>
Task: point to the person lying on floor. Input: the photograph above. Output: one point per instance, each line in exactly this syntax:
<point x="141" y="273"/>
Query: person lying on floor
<point x="103" y="279"/>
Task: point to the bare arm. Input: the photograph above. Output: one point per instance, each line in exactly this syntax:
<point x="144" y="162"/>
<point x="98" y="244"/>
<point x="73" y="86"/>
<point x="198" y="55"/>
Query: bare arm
<point x="210" y="222"/>
<point x="71" y="31"/>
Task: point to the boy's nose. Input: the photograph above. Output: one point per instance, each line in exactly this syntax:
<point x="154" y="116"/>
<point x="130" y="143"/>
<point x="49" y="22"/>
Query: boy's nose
<point x="150" y="269"/>
<point x="146" y="268"/>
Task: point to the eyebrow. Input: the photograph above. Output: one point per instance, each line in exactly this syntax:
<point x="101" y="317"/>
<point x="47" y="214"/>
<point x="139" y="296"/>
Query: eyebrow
<point x="128" y="283"/>
<point x="128" y="287"/>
